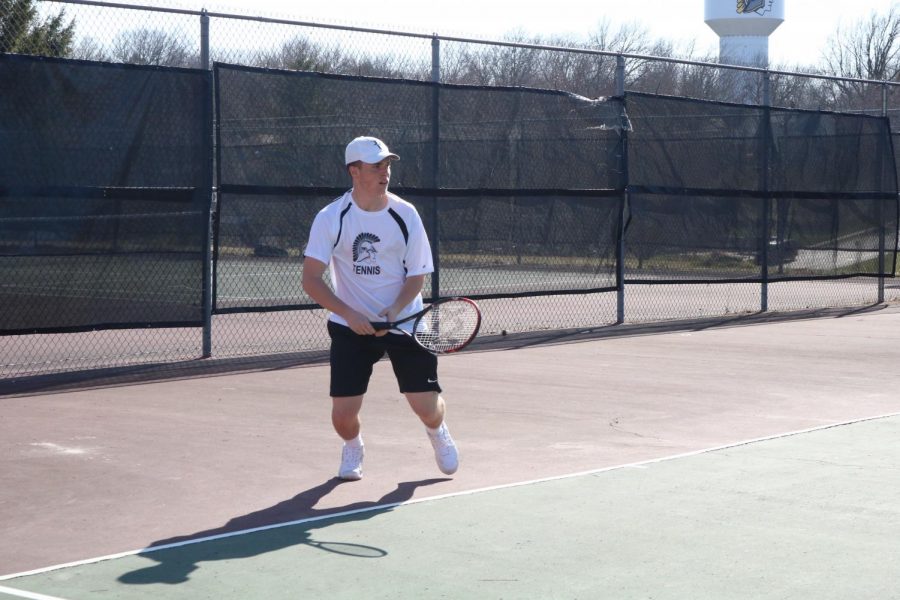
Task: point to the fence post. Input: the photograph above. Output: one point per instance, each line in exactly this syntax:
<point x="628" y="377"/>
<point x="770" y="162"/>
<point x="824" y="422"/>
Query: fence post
<point x="882" y="234"/>
<point x="620" y="75"/>
<point x="620" y="262"/>
<point x="208" y="254"/>
<point x="204" y="39"/>
<point x="767" y="202"/>
<point x="620" y="242"/>
<point x="208" y="281"/>
<point x="435" y="165"/>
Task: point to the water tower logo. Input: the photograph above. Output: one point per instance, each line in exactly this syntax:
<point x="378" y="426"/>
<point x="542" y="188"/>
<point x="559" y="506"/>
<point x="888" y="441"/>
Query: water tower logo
<point x="759" y="7"/>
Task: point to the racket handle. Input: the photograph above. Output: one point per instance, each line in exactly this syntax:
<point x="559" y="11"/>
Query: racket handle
<point x="381" y="325"/>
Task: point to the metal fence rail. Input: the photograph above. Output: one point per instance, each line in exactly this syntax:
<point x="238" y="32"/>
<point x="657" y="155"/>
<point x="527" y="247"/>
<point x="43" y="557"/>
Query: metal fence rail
<point x="183" y="38"/>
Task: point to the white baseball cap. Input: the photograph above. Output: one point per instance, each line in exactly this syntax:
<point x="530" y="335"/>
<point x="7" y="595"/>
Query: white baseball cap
<point x="367" y="149"/>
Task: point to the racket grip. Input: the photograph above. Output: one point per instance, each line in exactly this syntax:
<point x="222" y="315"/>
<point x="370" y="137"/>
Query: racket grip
<point x="381" y="325"/>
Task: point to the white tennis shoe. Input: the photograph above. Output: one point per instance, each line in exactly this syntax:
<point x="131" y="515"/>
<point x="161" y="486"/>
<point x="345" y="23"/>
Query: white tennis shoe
<point x="351" y="462"/>
<point x="445" y="452"/>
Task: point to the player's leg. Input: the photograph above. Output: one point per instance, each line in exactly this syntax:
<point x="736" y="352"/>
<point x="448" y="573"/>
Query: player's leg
<point x="345" y="418"/>
<point x="431" y="410"/>
<point x="352" y="358"/>
<point x="416" y="372"/>
<point x="428" y="406"/>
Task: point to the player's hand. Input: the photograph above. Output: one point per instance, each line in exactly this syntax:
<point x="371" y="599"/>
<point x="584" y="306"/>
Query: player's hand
<point x="389" y="314"/>
<point x="359" y="324"/>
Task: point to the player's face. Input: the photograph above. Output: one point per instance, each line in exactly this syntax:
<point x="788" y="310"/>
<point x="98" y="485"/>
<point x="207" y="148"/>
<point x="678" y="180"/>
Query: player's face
<point x="373" y="178"/>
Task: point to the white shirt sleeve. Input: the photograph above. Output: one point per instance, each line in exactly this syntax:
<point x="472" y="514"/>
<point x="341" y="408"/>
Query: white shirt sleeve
<point x="321" y="239"/>
<point x="418" y="251"/>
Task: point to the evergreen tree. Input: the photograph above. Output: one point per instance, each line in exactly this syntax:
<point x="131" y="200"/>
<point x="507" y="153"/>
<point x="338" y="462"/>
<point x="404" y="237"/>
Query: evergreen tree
<point x="23" y="32"/>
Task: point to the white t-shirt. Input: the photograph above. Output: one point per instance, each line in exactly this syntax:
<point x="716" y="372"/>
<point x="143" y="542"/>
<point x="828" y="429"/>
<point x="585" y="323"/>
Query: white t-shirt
<point x="370" y="253"/>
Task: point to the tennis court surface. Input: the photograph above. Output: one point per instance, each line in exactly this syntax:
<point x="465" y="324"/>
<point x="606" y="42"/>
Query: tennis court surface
<point x="753" y="458"/>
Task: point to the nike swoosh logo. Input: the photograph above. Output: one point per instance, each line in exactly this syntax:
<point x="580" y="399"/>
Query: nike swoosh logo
<point x="431" y="380"/>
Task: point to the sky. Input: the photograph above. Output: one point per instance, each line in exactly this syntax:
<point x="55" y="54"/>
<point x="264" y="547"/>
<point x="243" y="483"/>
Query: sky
<point x="800" y="40"/>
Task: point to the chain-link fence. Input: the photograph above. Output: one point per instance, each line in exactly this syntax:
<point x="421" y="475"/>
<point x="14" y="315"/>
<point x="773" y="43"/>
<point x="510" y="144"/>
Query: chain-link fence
<point x="255" y="302"/>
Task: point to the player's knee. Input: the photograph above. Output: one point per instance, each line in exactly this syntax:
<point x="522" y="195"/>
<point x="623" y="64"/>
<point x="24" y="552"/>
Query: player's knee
<point x="428" y="406"/>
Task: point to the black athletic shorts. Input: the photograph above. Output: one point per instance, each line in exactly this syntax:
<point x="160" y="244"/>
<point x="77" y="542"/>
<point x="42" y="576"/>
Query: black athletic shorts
<point x="353" y="356"/>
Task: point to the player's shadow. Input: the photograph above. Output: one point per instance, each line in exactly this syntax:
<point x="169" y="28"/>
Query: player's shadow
<point x="233" y="541"/>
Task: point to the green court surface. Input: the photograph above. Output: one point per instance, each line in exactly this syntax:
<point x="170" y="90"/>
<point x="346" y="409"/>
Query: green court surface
<point x="813" y="514"/>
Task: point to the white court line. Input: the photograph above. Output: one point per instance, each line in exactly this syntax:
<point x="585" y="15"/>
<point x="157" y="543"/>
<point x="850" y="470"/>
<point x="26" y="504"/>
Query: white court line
<point x="24" y="594"/>
<point x="337" y="515"/>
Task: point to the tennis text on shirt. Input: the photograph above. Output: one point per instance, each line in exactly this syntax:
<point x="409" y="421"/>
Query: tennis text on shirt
<point x="365" y="254"/>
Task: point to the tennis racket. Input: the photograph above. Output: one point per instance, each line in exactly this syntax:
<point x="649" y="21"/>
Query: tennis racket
<point x="446" y="326"/>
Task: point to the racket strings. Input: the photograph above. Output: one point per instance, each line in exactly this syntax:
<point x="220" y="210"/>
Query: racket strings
<point x="448" y="326"/>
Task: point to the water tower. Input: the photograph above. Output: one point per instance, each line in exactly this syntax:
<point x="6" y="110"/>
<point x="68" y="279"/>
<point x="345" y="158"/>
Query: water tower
<point x="744" y="27"/>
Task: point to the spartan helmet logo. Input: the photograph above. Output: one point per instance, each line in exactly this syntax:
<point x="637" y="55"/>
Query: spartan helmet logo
<point x="759" y="7"/>
<point x="364" y="251"/>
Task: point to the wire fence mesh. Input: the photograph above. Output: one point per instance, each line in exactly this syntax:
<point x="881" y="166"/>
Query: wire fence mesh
<point x="267" y="276"/>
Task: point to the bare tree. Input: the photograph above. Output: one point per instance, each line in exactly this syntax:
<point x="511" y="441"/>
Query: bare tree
<point x="153" y="47"/>
<point x="300" y="54"/>
<point x="629" y="38"/>
<point x="89" y="48"/>
<point x="303" y="54"/>
<point x="869" y="49"/>
<point x="502" y="65"/>
<point x="579" y="72"/>
<point x="799" y="91"/>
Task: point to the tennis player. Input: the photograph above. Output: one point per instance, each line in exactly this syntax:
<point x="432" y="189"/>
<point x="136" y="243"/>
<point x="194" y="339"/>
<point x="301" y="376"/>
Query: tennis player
<point x="379" y="255"/>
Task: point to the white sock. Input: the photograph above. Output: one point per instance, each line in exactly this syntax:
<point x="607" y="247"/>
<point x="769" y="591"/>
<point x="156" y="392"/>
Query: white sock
<point x="356" y="442"/>
<point x="435" y="431"/>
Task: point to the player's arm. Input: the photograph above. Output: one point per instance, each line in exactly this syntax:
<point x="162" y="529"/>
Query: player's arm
<point x="314" y="285"/>
<point x="418" y="257"/>
<point x="410" y="289"/>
